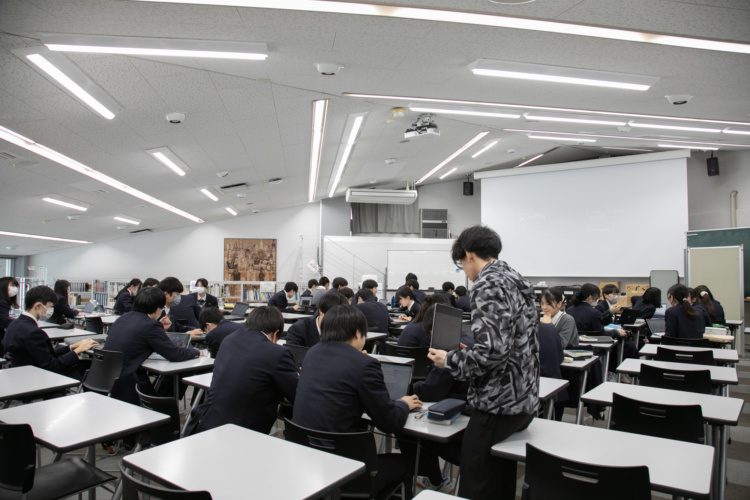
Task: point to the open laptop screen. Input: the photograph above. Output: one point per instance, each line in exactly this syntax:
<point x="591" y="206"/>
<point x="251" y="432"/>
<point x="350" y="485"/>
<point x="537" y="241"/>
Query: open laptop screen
<point x="397" y="379"/>
<point x="89" y="307"/>
<point x="305" y="301"/>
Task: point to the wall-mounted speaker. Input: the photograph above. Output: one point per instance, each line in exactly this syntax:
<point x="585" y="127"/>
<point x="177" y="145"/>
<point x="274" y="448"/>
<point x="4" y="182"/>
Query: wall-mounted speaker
<point x="469" y="188"/>
<point x="712" y="165"/>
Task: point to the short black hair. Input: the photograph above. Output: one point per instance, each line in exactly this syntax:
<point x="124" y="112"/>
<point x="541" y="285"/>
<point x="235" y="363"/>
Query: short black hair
<point x="481" y="240"/>
<point x="43" y="294"/>
<point x="4" y="283"/>
<point x="405" y="292"/>
<point x="323" y="281"/>
<point x="553" y="294"/>
<point x="331" y="300"/>
<point x="587" y="290"/>
<point x="448" y="286"/>
<point x="266" y="319"/>
<point x="290" y="285"/>
<point x="61" y="288"/>
<point x="365" y="294"/>
<point x="339" y="282"/>
<point x="150" y="282"/>
<point x="210" y="315"/>
<point x="652" y="295"/>
<point x="342" y="323"/>
<point x="609" y="289"/>
<point x="201" y="280"/>
<point x="311" y="283"/>
<point x="347" y="292"/>
<point x="171" y="285"/>
<point x="148" y="300"/>
<point x="429" y="303"/>
<point x="369" y="284"/>
<point x="413" y="283"/>
<point x="461" y="291"/>
<point x="410" y="276"/>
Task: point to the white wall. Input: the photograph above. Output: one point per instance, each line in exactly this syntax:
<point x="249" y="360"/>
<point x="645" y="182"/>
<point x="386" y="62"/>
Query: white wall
<point x="463" y="211"/>
<point x="708" y="197"/>
<point x="187" y="253"/>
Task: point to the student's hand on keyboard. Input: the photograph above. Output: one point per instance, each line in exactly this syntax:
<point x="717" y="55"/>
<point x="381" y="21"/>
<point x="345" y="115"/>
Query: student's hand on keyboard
<point x="83" y="345"/>
<point x="413" y="402"/>
<point x="196" y="332"/>
<point x="404" y="318"/>
<point x="295" y="307"/>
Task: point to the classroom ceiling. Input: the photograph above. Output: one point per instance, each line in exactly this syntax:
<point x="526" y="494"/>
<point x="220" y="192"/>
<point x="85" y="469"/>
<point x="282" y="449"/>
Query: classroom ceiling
<point x="252" y="119"/>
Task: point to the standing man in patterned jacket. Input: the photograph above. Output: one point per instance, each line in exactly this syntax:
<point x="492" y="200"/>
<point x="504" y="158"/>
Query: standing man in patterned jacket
<point x="502" y="368"/>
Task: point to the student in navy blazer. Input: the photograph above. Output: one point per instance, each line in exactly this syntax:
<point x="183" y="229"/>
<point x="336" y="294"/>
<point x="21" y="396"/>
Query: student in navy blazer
<point x="648" y="303"/>
<point x="376" y="313"/>
<point x="8" y="299"/>
<point x="682" y="320"/>
<point x="251" y="376"/>
<point x="463" y="301"/>
<point x="306" y="331"/>
<point x="609" y="306"/>
<point x="62" y="309"/>
<point x="186" y="313"/>
<point x="417" y="333"/>
<point x="550" y="357"/>
<point x="338" y="383"/>
<point x="408" y="302"/>
<point x="217" y="328"/>
<point x="137" y="335"/>
<point x="448" y="291"/>
<point x="705" y="301"/>
<point x="171" y="287"/>
<point x="414" y="286"/>
<point x="27" y="344"/>
<point x="281" y="299"/>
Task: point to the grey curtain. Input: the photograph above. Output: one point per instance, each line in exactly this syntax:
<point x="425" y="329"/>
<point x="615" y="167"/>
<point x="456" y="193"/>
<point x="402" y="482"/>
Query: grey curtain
<point x="379" y="218"/>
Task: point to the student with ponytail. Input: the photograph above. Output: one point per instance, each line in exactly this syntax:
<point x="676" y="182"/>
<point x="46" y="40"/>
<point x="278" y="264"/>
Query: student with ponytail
<point x="705" y="300"/>
<point x="124" y="299"/>
<point x="682" y="319"/>
<point x="589" y="319"/>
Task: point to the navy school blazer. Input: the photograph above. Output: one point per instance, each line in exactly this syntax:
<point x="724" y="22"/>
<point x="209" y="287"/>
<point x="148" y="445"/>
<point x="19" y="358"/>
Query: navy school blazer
<point x="124" y="303"/>
<point x="303" y="332"/>
<point x="718" y="316"/>
<point x="188" y="310"/>
<point x="678" y="324"/>
<point x="646" y="311"/>
<point x="414" y="335"/>
<point x="337" y="384"/>
<point x="62" y="310"/>
<point x="215" y="337"/>
<point x="603" y="307"/>
<point x="588" y="319"/>
<point x="280" y="301"/>
<point x="464" y="303"/>
<point x="137" y="336"/>
<point x="376" y="314"/>
<point x="419" y="294"/>
<point x="211" y="301"/>
<point x="29" y="345"/>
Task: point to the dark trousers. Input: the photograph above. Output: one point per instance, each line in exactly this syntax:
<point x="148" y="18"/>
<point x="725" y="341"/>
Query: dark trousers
<point x="482" y="475"/>
<point x="395" y="468"/>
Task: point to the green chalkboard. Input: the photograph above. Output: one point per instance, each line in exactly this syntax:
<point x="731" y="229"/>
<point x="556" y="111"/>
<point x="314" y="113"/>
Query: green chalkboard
<point x="724" y="238"/>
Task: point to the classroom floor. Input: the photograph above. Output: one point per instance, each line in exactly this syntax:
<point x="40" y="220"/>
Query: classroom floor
<point x="738" y="463"/>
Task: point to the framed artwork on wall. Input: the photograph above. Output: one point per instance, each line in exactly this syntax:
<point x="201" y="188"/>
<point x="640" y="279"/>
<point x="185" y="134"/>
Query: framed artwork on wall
<point x="247" y="259"/>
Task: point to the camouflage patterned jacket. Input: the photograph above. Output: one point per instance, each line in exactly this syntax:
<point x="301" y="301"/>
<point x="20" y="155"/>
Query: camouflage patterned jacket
<point x="503" y="365"/>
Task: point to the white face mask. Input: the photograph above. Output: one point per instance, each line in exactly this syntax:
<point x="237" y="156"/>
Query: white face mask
<point x="200" y="290"/>
<point x="612" y="299"/>
<point x="46" y="315"/>
<point x="176" y="301"/>
<point x="12" y="291"/>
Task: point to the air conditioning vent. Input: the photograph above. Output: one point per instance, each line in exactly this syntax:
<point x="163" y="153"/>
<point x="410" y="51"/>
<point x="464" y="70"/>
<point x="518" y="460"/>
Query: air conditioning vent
<point x="234" y="188"/>
<point x="382" y="196"/>
<point x="7" y="155"/>
<point x="142" y="231"/>
<point x="433" y="223"/>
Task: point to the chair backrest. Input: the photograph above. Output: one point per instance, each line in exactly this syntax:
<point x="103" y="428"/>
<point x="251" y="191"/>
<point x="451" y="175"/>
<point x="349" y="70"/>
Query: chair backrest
<point x="299" y="352"/>
<point x="17" y="457"/>
<point x="682" y="423"/>
<point x="667" y="340"/>
<point x="106" y="367"/>
<point x="94" y="325"/>
<point x="168" y="406"/>
<point x="358" y="446"/>
<point x="131" y="487"/>
<point x="418" y="354"/>
<point x="549" y="476"/>
<point x="678" y="380"/>
<point x="694" y="357"/>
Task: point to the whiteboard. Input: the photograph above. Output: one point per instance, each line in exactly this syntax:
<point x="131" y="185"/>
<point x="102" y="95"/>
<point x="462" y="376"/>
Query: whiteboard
<point x="432" y="267"/>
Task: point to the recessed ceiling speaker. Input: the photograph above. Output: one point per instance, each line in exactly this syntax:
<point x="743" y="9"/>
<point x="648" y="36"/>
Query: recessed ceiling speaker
<point x="712" y="165"/>
<point x="468" y="188"/>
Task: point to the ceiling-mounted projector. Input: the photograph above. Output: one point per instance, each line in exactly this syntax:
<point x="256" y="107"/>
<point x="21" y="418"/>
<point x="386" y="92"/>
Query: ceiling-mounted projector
<point x="425" y="125"/>
<point x="382" y="196"/>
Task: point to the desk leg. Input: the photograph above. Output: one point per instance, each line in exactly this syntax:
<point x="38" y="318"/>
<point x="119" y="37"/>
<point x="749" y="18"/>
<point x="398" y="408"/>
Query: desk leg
<point x="722" y="463"/>
<point x="549" y="408"/>
<point x="92" y="460"/>
<point x="157" y="384"/>
<point x="620" y="351"/>
<point x="606" y="365"/>
<point x="579" y="412"/>
<point x="416" y="470"/>
<point x="176" y="389"/>
<point x="198" y="399"/>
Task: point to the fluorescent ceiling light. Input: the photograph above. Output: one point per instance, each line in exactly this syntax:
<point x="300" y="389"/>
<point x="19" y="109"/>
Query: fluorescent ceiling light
<point x="627" y="149"/>
<point x="452" y="16"/>
<point x="127" y="220"/>
<point x="30" y="145"/>
<point x="58" y="69"/>
<point x="559" y="74"/>
<point x="459" y="102"/>
<point x="208" y="193"/>
<point x="354" y="123"/>
<point x="168" y="47"/>
<point x="554" y="138"/>
<point x="672" y="127"/>
<point x="65" y="204"/>
<point x="38" y="237"/>
<point x="682" y="146"/>
<point x="625" y="138"/>
<point x="319" y="113"/>
<point x="484" y="149"/>
<point x="464" y="112"/>
<point x="738" y="132"/>
<point x="231" y="210"/>
<point x="567" y="119"/>
<point x="529" y="161"/>
<point x="460" y="150"/>
<point x="449" y="172"/>
<point x="166" y="157"/>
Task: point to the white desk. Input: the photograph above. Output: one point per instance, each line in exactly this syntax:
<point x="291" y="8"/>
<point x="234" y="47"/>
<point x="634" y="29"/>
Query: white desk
<point x="292" y="317"/>
<point x="717" y="411"/>
<point x="548" y="388"/>
<point x="162" y="367"/>
<point x="720" y="375"/>
<point x="720" y="355"/>
<point x="47" y="324"/>
<point x="675" y="467"/>
<point x="582" y="366"/>
<point x="230" y="459"/>
<point x="434" y="495"/>
<point x="393" y="359"/>
<point x="602" y="345"/>
<point x="58" y="334"/>
<point x="30" y="381"/>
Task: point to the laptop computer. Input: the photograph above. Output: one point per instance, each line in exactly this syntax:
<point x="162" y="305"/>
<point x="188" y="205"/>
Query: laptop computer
<point x="89" y="307"/>
<point x="446" y="327"/>
<point x="397" y="379"/>
<point x="628" y="316"/>
<point x="181" y="340"/>
<point x="305" y="301"/>
<point x="240" y="308"/>
<point x="656" y="326"/>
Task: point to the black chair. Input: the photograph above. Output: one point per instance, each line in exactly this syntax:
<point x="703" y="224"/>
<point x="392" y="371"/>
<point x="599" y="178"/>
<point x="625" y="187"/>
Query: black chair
<point x="667" y="340"/>
<point x="132" y="486"/>
<point x="19" y="476"/>
<point x="299" y="352"/>
<point x="105" y="370"/>
<point x="359" y="446"/>
<point x="682" y="423"/>
<point x="94" y="325"/>
<point x="549" y="476"/>
<point x="164" y="433"/>
<point x="422" y="363"/>
<point x="694" y="357"/>
<point x="679" y="380"/>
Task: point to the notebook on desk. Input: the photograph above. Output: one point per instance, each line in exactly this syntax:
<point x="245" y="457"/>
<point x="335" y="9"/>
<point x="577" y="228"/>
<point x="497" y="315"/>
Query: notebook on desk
<point x="397" y="378"/>
<point x="181" y="340"/>
<point x="240" y="308"/>
<point x="578" y="354"/>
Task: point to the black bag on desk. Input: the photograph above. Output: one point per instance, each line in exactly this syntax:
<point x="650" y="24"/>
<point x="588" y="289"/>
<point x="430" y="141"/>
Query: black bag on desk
<point x="445" y="409"/>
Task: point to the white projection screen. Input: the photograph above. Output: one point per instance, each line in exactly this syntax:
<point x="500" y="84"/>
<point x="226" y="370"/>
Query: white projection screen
<point x="607" y="221"/>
